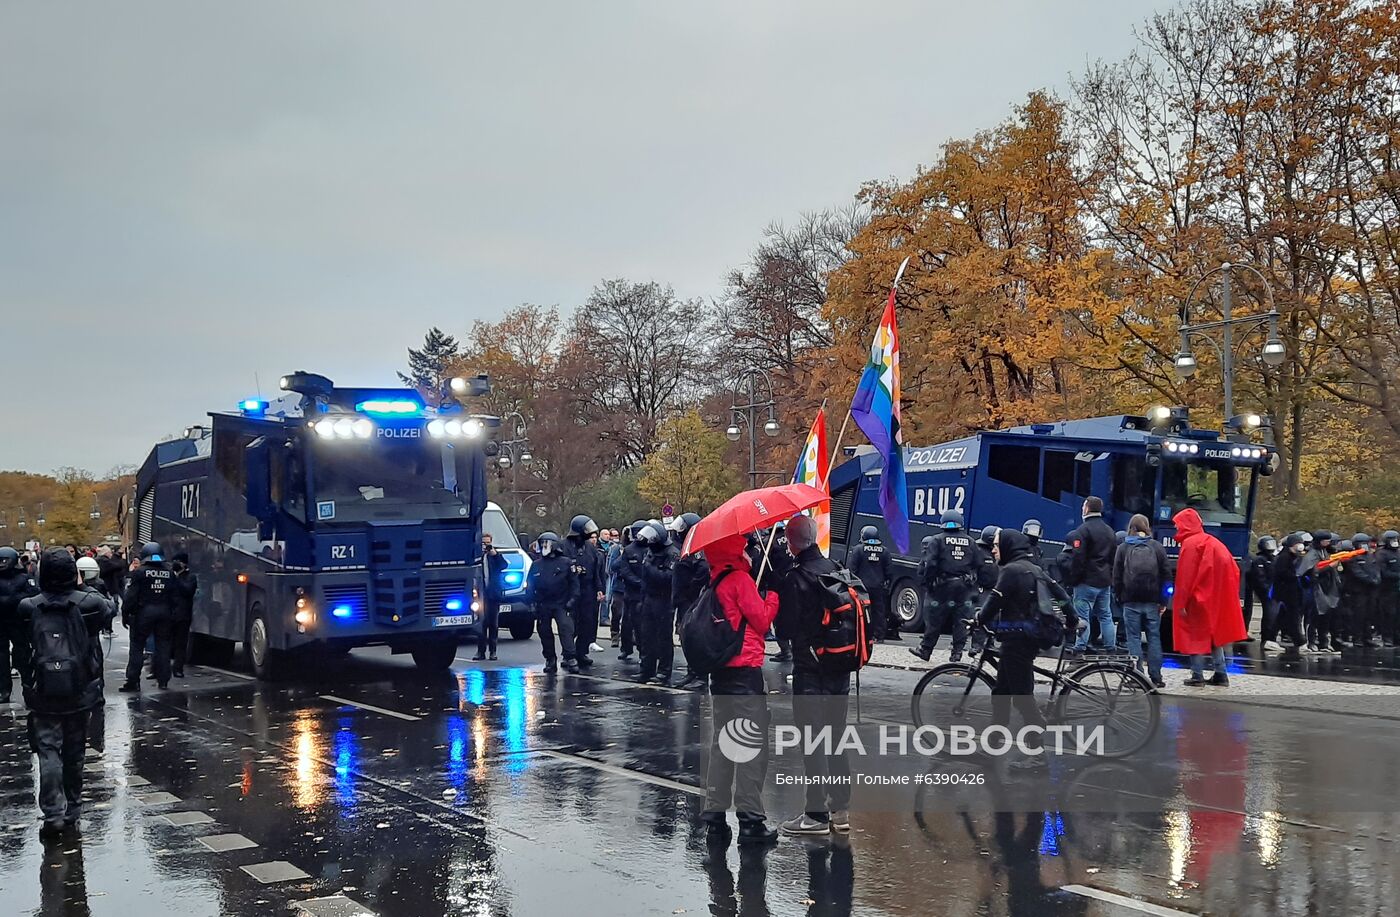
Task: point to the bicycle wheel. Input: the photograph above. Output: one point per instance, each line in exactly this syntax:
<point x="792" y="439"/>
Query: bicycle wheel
<point x="1112" y="696"/>
<point x="953" y="693"/>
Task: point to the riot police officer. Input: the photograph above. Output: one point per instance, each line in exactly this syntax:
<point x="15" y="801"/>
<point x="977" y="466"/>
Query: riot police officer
<point x="15" y="586"/>
<point x="152" y="600"/>
<point x="1033" y="529"/>
<point x="1361" y="583"/>
<point x="987" y="573"/>
<point x="688" y="579"/>
<point x="658" y="614"/>
<point x="553" y="588"/>
<point x="948" y="571"/>
<point x="590" y="566"/>
<point x="1259" y="583"/>
<point x="1388" y="601"/>
<point x="630" y="569"/>
<point x="871" y="562"/>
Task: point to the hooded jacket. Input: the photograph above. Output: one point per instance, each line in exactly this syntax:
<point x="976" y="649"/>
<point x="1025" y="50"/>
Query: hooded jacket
<point x="1015" y="601"/>
<point x="1206" y="604"/>
<point x="738" y="597"/>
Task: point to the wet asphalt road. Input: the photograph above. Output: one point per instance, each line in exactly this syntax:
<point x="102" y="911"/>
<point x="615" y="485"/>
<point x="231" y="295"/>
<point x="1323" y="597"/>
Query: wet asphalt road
<point x="499" y="790"/>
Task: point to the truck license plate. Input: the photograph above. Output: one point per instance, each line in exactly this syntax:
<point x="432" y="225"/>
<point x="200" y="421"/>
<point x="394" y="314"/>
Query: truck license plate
<point x="453" y="620"/>
<point x="505" y="609"/>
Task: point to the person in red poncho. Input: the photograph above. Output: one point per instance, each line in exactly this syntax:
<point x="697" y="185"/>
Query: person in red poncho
<point x="738" y="693"/>
<point x="1206" y="601"/>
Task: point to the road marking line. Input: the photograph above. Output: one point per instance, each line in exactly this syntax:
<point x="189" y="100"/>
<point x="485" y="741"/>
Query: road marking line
<point x="1124" y="901"/>
<point x="214" y="668"/>
<point x="628" y="681"/>
<point x="623" y="772"/>
<point x="394" y="713"/>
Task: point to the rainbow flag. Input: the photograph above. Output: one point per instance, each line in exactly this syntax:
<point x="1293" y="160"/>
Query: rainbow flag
<point x="875" y="409"/>
<point x="814" y="467"/>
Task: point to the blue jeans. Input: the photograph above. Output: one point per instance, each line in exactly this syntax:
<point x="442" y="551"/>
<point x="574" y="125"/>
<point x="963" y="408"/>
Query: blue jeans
<point x="1140" y="616"/>
<point x="1095" y="600"/>
<point x="1198" y="663"/>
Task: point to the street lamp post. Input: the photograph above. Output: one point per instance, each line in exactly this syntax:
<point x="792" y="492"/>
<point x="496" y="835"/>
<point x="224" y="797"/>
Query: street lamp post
<point x="752" y="384"/>
<point x="514" y="453"/>
<point x="95" y="513"/>
<point x="1274" y="350"/>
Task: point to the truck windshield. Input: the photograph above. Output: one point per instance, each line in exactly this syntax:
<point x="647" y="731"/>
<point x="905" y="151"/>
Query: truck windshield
<point x="1218" y="491"/>
<point x="379" y="479"/>
<point x="494" y="523"/>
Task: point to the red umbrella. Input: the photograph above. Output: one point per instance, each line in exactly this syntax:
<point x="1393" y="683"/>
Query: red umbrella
<point x="752" y="510"/>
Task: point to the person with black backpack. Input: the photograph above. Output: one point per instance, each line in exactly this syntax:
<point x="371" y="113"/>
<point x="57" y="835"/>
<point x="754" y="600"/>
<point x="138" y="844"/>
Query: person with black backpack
<point x="1016" y="612"/>
<point x="15" y="587"/>
<point x="819" y="695"/>
<point x="63" y="685"/>
<point x="1141" y="572"/>
<point x="724" y="631"/>
<point x="689" y="578"/>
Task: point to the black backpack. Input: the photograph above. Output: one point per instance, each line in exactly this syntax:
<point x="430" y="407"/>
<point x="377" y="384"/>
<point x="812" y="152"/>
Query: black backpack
<point x="845" y="642"/>
<point x="63" y="658"/>
<point x="1139" y="563"/>
<point x="708" y="640"/>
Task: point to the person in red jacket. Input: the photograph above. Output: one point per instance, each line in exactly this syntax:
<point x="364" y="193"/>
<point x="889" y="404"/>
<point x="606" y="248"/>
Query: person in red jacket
<point x="738" y="696"/>
<point x="1206" y="612"/>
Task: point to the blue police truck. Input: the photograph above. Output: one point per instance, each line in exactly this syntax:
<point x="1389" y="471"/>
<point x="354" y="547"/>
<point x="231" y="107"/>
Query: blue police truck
<point x="1155" y="466"/>
<point x="328" y="519"/>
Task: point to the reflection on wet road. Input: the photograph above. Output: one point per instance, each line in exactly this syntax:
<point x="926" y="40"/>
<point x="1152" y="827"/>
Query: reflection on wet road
<point x="503" y="791"/>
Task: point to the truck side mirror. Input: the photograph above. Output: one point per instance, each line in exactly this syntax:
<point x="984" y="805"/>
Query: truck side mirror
<point x="257" y="460"/>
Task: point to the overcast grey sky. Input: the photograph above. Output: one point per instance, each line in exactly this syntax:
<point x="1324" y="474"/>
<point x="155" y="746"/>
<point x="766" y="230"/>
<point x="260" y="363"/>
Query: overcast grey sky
<point x="195" y="193"/>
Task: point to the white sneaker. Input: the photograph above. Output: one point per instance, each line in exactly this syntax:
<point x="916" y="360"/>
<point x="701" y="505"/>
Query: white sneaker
<point x="594" y="648"/>
<point x="1272" y="646"/>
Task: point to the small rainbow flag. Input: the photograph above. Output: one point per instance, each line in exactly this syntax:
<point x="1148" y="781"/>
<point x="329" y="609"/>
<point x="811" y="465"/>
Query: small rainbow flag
<point x="814" y="467"/>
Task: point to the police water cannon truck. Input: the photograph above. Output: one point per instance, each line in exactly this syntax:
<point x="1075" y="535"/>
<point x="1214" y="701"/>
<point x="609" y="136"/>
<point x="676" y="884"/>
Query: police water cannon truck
<point x="327" y="519"/>
<point x="1156" y="465"/>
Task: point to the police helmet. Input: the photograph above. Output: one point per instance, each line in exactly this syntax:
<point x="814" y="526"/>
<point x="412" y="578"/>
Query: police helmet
<point x="925" y="542"/>
<point x="151" y="551"/>
<point x="684" y="523"/>
<point x="1323" y="535"/>
<point x="1306" y="538"/>
<point x="1267" y="545"/>
<point x="989" y="535"/>
<point x="1344" y="545"/>
<point x="1391" y="537"/>
<point x="88" y="569"/>
<point x="952" y="519"/>
<point x="548" y="542"/>
<point x="1361" y="539"/>
<point x="653" y="533"/>
<point x="1032" y="529"/>
<point x="582" y="526"/>
<point x="9" y="559"/>
<point x="869" y="533"/>
<point x="1293" y="539"/>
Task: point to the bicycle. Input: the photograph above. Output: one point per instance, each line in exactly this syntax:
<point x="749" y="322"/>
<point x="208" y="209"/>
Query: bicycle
<point x="1106" y="690"/>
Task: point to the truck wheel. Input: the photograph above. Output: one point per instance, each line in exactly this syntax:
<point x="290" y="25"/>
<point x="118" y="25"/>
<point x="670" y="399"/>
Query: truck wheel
<point x="265" y="661"/>
<point x="522" y="630"/>
<point x="206" y="650"/>
<point x="434" y="658"/>
<point x="908" y="606"/>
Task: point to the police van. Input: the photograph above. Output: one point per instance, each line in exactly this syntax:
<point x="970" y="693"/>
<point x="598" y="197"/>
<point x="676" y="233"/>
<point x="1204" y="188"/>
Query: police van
<point x="330" y="518"/>
<point x="1155" y="466"/>
<point x="517" y="614"/>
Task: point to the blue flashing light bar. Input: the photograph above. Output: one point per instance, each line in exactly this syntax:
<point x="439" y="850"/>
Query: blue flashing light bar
<point x="253" y="406"/>
<point x="453" y="604"/>
<point x="512" y="578"/>
<point x="342" y="611"/>
<point x="389" y="406"/>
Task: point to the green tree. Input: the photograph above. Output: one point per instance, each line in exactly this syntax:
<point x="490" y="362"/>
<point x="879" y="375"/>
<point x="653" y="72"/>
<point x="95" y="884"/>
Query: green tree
<point x="688" y="468"/>
<point x="429" y="367"/>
